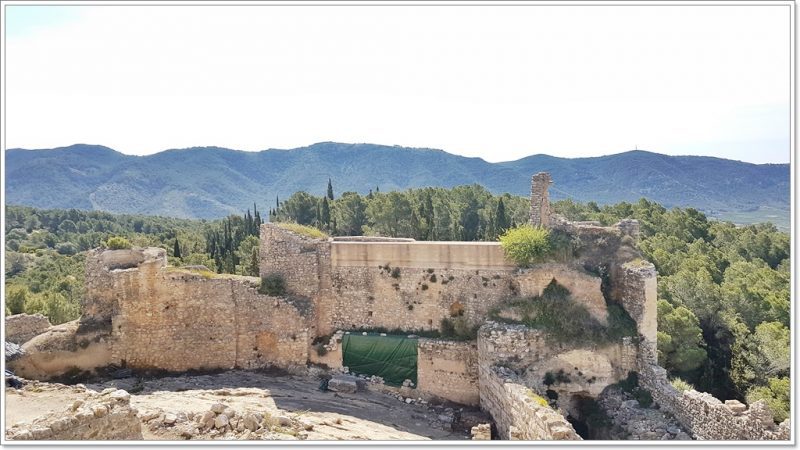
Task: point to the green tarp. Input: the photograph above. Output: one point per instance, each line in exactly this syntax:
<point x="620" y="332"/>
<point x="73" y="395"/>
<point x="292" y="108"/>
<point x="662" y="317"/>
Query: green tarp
<point x="393" y="358"/>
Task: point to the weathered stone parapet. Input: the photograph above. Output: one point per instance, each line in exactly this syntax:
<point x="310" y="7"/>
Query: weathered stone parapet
<point x="113" y="274"/>
<point x="20" y="328"/>
<point x="516" y="409"/>
<point x="303" y="262"/>
<point x="540" y="199"/>
<point x="102" y="416"/>
<point x="706" y="417"/>
<point x="448" y="370"/>
<point x="629" y="227"/>
<point x="633" y="285"/>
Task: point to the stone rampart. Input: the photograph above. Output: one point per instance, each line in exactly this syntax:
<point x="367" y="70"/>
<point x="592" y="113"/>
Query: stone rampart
<point x="517" y="410"/>
<point x="448" y="370"/>
<point x="303" y="262"/>
<point x="20" y="328"/>
<point x="705" y="416"/>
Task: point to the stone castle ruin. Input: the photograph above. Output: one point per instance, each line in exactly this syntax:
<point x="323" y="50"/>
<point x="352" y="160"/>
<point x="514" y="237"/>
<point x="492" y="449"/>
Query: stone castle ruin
<point x="141" y="314"/>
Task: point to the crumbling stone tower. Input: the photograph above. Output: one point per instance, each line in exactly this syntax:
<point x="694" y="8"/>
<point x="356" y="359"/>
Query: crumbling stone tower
<point x="540" y="201"/>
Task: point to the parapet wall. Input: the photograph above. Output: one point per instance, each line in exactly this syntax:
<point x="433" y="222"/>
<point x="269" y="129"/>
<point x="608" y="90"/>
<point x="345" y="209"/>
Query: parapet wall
<point x="516" y="410"/>
<point x="436" y="255"/>
<point x="448" y="370"/>
<point x="706" y="417"/>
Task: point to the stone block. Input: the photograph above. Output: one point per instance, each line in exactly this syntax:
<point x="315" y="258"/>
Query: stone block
<point x="344" y="383"/>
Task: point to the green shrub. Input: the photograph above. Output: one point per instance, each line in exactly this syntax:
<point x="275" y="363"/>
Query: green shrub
<point x="118" y="243"/>
<point x="620" y="323"/>
<point x="272" y="284"/>
<point x="395" y="272"/>
<point x="66" y="248"/>
<point x="526" y="245"/>
<point x="303" y="230"/>
<point x="541" y="401"/>
<point x="777" y="395"/>
<point x="458" y="329"/>
<point x="680" y="385"/>
<point x="15" y="299"/>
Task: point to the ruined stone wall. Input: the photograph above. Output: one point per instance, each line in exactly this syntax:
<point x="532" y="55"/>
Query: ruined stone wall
<point x="633" y="285"/>
<point x="583" y="287"/>
<point x="448" y="370"/>
<point x="20" y="328"/>
<point x="302" y="261"/>
<point x="706" y="417"/>
<point x="102" y="416"/>
<point x="182" y="320"/>
<point x="540" y="199"/>
<point x="588" y="367"/>
<point x="414" y="298"/>
<point x="516" y="411"/>
<point x="109" y="276"/>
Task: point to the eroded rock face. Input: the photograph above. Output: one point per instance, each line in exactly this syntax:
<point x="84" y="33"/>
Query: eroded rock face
<point x="20" y="328"/>
<point x="101" y="416"/>
<point x="62" y="350"/>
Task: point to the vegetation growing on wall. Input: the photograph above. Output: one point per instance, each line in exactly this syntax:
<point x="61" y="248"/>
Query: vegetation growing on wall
<point x="566" y="320"/>
<point x="272" y="284"/>
<point x="303" y="230"/>
<point x="526" y="245"/>
<point x="117" y="243"/>
<point x="729" y="279"/>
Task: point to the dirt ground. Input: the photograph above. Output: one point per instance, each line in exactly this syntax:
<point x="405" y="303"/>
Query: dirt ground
<point x="363" y="415"/>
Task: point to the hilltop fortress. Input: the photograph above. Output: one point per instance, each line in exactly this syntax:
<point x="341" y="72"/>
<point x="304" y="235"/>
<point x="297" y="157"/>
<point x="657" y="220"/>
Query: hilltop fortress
<point x="139" y="313"/>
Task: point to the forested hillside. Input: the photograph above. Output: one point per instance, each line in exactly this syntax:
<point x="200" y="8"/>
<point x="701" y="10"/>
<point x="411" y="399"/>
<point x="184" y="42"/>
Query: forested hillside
<point x="213" y="182"/>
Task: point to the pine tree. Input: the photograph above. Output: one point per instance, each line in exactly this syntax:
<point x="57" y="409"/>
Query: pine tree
<point x="330" y="190"/>
<point x="176" y="249"/>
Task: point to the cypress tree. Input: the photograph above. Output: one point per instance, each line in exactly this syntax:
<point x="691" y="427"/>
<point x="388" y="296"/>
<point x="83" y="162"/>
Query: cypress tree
<point x="176" y="249"/>
<point x="325" y="214"/>
<point x="330" y="190"/>
<point x="501" y="218"/>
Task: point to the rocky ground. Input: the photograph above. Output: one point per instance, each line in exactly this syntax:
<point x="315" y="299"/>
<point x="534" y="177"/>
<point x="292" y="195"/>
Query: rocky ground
<point x="255" y="406"/>
<point x="631" y="421"/>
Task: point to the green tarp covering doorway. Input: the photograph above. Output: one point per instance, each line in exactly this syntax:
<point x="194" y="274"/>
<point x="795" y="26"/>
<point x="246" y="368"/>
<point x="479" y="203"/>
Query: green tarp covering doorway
<point x="393" y="358"/>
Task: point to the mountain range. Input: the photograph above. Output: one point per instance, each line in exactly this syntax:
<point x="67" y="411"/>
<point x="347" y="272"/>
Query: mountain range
<point x="211" y="182"/>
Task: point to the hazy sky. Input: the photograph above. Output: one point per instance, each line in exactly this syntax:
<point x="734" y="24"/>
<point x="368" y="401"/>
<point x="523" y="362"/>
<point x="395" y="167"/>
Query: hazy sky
<point x="499" y="82"/>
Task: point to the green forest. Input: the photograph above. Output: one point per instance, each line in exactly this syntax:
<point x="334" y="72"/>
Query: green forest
<point x="724" y="295"/>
